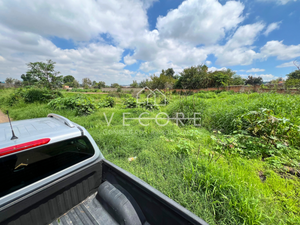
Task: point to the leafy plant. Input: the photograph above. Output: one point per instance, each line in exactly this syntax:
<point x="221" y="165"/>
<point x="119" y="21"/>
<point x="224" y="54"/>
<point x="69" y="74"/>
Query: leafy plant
<point x="265" y="125"/>
<point x="110" y="101"/>
<point x="150" y="105"/>
<point x="31" y="94"/>
<point x="82" y="104"/>
<point x="130" y="103"/>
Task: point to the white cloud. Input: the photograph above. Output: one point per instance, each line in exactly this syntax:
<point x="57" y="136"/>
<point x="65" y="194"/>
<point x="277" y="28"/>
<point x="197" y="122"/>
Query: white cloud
<point x="207" y="63"/>
<point x="213" y="69"/>
<point x="75" y="19"/>
<point x="255" y="70"/>
<point x="272" y="27"/>
<point x="103" y="30"/>
<point x="279" y="2"/>
<point x="238" y="50"/>
<point x="287" y="64"/>
<point x="200" y="22"/>
<point x="129" y="60"/>
<point x="245" y="35"/>
<point x="148" y="3"/>
<point x="265" y="77"/>
<point x="279" y="50"/>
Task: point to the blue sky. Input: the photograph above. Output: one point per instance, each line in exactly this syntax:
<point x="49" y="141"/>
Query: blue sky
<point x="120" y="41"/>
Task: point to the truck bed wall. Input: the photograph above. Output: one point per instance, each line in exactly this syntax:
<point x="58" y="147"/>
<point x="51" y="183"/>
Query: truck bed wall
<point x="49" y="202"/>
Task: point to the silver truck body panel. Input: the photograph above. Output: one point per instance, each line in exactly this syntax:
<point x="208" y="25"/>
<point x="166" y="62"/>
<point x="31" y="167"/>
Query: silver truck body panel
<point x="34" y="129"/>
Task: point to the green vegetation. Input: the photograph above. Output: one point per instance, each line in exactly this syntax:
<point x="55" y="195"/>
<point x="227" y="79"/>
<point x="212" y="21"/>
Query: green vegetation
<point x="240" y="167"/>
<point x="30" y="95"/>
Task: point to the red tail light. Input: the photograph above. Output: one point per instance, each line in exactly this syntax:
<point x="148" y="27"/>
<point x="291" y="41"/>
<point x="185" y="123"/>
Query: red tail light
<point x="23" y="146"/>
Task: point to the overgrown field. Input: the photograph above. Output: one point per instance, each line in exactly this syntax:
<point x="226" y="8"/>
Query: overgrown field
<point x="240" y="167"/>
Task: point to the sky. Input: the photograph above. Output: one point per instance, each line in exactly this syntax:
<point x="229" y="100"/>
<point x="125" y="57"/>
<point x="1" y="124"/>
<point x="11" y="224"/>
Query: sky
<point x="121" y="41"/>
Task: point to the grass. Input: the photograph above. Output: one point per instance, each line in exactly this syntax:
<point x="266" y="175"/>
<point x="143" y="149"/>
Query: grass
<point x="182" y="162"/>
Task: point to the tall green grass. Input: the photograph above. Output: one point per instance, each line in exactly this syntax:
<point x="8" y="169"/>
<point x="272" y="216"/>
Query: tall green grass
<point x="181" y="161"/>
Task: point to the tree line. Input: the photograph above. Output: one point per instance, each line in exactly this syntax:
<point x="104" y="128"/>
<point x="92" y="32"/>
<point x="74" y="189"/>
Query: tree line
<point x="43" y="74"/>
<point x="195" y="77"/>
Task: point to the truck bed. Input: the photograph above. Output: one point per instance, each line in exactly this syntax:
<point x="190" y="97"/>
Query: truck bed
<point x="101" y="193"/>
<point x="109" y="206"/>
<point x="90" y="211"/>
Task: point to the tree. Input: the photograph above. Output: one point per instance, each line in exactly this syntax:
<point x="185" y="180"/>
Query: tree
<point x="294" y="75"/>
<point x="134" y="84"/>
<point x="101" y="84"/>
<point x="45" y="73"/>
<point x="237" y="80"/>
<point x="94" y="83"/>
<point x="170" y="72"/>
<point x="75" y="84"/>
<point x="28" y="79"/>
<point x="17" y="83"/>
<point x="68" y="79"/>
<point x="195" y="77"/>
<point x="145" y="83"/>
<point x="220" y="78"/>
<point x="293" y="83"/>
<point x="297" y="64"/>
<point x="161" y="82"/>
<point x="115" y="85"/>
<point x="86" y="82"/>
<point x="254" y="80"/>
<point x="9" y="82"/>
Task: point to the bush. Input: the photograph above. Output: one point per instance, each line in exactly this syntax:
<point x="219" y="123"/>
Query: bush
<point x="110" y="101"/>
<point x="164" y="101"/>
<point x="39" y="95"/>
<point x="30" y="95"/>
<point x="81" y="104"/>
<point x="130" y="103"/>
<point x="265" y="125"/>
<point x="150" y="105"/>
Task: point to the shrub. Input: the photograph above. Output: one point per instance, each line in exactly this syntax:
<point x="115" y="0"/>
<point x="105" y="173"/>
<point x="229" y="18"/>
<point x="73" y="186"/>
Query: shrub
<point x="39" y="95"/>
<point x="130" y="103"/>
<point x="150" y="105"/>
<point x="265" y="125"/>
<point x="164" y="101"/>
<point x="110" y="101"/>
<point x="81" y="104"/>
<point x="30" y="95"/>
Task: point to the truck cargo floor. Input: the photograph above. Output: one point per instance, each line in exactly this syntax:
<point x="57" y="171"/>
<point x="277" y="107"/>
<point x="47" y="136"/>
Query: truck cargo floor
<point x="90" y="211"/>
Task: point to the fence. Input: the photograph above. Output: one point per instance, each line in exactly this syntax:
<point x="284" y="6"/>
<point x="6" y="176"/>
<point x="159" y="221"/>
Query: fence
<point x="122" y="89"/>
<point x="237" y="88"/>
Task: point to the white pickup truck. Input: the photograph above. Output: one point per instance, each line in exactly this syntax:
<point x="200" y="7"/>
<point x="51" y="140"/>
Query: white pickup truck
<point x="54" y="173"/>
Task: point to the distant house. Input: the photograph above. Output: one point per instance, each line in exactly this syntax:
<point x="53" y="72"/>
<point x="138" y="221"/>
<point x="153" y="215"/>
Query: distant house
<point x="66" y="87"/>
<point x="2" y="82"/>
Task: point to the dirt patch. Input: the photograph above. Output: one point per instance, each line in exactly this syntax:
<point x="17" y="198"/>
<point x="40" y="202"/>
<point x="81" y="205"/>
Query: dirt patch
<point x="262" y="176"/>
<point x="292" y="171"/>
<point x="3" y="117"/>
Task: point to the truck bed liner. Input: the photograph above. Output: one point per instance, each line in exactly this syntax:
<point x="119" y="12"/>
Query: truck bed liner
<point x="90" y="211"/>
